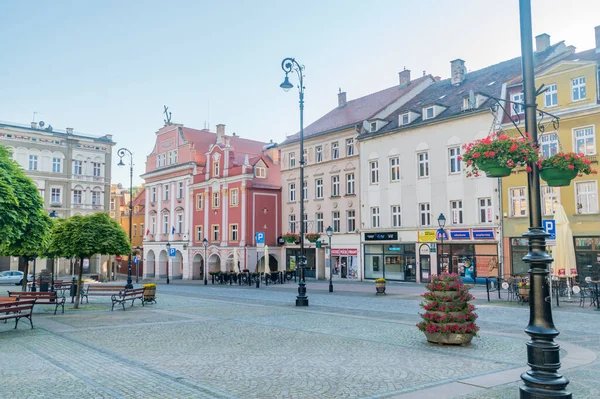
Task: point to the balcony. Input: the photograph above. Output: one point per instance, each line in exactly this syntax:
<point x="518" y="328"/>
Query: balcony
<point x="55" y="204"/>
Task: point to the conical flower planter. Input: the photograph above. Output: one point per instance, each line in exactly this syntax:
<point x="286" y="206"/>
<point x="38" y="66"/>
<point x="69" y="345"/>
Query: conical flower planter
<point x="557" y="177"/>
<point x="493" y="168"/>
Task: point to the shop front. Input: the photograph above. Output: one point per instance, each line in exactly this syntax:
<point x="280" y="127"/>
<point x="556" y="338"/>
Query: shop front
<point x="587" y="255"/>
<point x="391" y="261"/>
<point x="344" y="262"/>
<point x="291" y="260"/>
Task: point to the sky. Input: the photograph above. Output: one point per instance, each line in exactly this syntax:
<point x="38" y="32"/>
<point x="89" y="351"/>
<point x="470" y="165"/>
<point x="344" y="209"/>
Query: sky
<point x="109" y="67"/>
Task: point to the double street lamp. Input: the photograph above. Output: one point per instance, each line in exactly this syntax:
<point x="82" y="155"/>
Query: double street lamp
<point x="205" y="245"/>
<point x="291" y="65"/>
<point x="329" y="232"/>
<point x="442" y="223"/>
<point x="121" y="153"/>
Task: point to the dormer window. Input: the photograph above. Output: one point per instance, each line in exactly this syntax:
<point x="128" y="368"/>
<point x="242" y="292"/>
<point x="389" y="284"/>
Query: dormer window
<point x="404" y="119"/>
<point x="517" y="109"/>
<point x="260" y="172"/>
<point x="373" y="126"/>
<point x="216" y="168"/>
<point x="429" y="113"/>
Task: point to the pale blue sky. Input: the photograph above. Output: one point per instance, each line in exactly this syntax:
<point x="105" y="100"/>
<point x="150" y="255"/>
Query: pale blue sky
<point x="110" y="66"/>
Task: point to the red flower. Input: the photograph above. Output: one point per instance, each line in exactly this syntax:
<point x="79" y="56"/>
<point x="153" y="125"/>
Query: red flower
<point x="528" y="169"/>
<point x="513" y="147"/>
<point x="571" y="167"/>
<point x="476" y="155"/>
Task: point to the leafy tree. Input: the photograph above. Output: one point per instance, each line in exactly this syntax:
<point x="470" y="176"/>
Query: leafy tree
<point x="84" y="236"/>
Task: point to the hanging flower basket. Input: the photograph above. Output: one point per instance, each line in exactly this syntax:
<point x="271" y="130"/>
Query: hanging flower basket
<point x="312" y="237"/>
<point x="291" y="237"/>
<point x="498" y="155"/>
<point x="559" y="169"/>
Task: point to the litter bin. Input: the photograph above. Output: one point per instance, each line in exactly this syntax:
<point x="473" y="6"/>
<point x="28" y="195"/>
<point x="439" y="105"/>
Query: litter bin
<point x="44" y="283"/>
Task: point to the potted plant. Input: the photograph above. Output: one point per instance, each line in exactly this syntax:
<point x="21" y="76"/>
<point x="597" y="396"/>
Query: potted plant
<point x="449" y="318"/>
<point x="524" y="290"/>
<point x="312" y="237"/>
<point x="559" y="169"/>
<point x="380" y="286"/>
<point x="291" y="237"/>
<point x="498" y="155"/>
<point x="149" y="292"/>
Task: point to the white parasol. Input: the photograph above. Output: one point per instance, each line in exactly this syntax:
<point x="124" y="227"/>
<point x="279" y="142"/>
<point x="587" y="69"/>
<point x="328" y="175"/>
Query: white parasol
<point x="266" y="260"/>
<point x="564" y="265"/>
<point x="235" y="259"/>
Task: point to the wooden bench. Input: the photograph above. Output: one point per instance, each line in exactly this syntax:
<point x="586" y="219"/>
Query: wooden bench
<point x="62" y="286"/>
<point x="100" y="290"/>
<point x="128" y="295"/>
<point x="43" y="298"/>
<point x="17" y="310"/>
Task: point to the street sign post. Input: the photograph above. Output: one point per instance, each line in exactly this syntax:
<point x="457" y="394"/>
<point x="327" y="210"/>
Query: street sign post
<point x="260" y="239"/>
<point x="550" y="228"/>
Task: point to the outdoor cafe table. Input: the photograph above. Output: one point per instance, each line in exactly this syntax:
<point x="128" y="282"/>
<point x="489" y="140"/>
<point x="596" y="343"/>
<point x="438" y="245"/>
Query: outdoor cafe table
<point x="596" y="292"/>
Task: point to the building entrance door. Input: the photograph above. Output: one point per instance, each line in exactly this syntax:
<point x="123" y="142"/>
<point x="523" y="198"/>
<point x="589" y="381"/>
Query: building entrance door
<point x="425" y="262"/>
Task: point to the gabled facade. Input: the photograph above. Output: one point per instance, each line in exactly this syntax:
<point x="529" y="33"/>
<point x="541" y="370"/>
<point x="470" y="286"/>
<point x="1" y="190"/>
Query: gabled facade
<point x="332" y="184"/>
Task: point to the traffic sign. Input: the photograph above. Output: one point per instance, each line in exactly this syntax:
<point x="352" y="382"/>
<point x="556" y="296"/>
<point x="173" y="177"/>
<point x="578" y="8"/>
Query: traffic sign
<point x="441" y="233"/>
<point x="260" y="239"/>
<point x="172" y="252"/>
<point x="550" y="228"/>
<point x="118" y="258"/>
<point x="136" y="260"/>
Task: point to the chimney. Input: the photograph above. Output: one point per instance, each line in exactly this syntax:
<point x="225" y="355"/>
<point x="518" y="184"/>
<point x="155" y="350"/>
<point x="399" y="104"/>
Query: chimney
<point x="404" y="77"/>
<point x="457" y="71"/>
<point x="34" y="125"/>
<point x="542" y="42"/>
<point x="597" y="28"/>
<point x="341" y="98"/>
<point x="220" y="133"/>
<point x="69" y="130"/>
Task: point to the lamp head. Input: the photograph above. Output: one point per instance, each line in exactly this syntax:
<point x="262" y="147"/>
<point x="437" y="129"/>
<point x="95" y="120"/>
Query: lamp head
<point x="53" y="214"/>
<point x="442" y="220"/>
<point x="329" y="231"/>
<point x="121" y="163"/>
<point x="205" y="243"/>
<point x="168" y="246"/>
<point x="286" y="85"/>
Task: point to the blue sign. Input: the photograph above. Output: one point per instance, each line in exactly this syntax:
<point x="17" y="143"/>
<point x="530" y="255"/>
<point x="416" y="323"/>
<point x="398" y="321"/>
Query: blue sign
<point x="483" y="234"/>
<point x="260" y="237"/>
<point x="441" y="233"/>
<point x="135" y="260"/>
<point x="550" y="228"/>
<point x="460" y="234"/>
<point x="172" y="252"/>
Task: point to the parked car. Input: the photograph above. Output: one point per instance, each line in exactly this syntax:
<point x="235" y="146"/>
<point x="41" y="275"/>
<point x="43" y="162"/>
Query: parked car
<point x="13" y="277"/>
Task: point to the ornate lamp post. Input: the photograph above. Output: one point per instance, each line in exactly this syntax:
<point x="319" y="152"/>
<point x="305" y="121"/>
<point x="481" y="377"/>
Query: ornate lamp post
<point x="137" y="268"/>
<point x="543" y="380"/>
<point x="121" y="153"/>
<point x="442" y="224"/>
<point x="329" y="232"/>
<point x="291" y="65"/>
<point x="168" y="255"/>
<point x="53" y="215"/>
<point x="33" y="287"/>
<point x="205" y="245"/>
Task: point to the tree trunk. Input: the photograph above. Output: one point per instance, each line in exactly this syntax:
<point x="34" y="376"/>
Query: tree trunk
<point x="25" y="261"/>
<point x="79" y="284"/>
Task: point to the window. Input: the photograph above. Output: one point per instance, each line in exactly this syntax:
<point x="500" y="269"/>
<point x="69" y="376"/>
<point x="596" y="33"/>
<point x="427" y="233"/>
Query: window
<point x="153" y="225"/>
<point x="260" y="172"/>
<point x="216" y="199"/>
<point x="587" y="197"/>
<point x="166" y="224"/>
<point x="404" y="119"/>
<point x="349" y="147"/>
<point x="180" y="190"/>
<point x="319" y="219"/>
<point x="95" y="197"/>
<point x="165" y="192"/>
<point x="160" y="160"/>
<point x="77" y="167"/>
<point x="55" y="196"/>
<point x="486" y="213"/>
<point x="77" y="194"/>
<point x="335" y="218"/>
<point x="518" y="201"/>
<point x="396" y="216"/>
<point x="551" y="96"/>
<point x="395" y="169"/>
<point x="585" y="141"/>
<point x="215" y="232"/>
<point x="179" y="223"/>
<point x="373" y="126"/>
<point x="174" y="156"/>
<point x="428" y="113"/>
<point x="135" y="230"/>
<point x="549" y="144"/>
<point x="319" y="189"/>
<point x="454" y="156"/>
<point x="423" y="158"/>
<point x="215" y="168"/>
<point x="112" y="204"/>
<point x="351" y="220"/>
<point x="153" y="194"/>
<point x="550" y="199"/>
<point x="199" y="201"/>
<point x="335" y="150"/>
<point x="305" y="158"/>
<point x="350" y="184"/>
<point x="233" y="232"/>
<point x="199" y="236"/>
<point x="375" y="217"/>
<point x="305" y="222"/>
<point x="457" y="212"/>
<point x="292" y="163"/>
<point x="33" y="162"/>
<point x="517" y="109"/>
<point x="425" y="214"/>
<point x="233" y="200"/>
<point x="335" y="186"/>
<point x="141" y="229"/>
<point x="96" y="168"/>
<point x="292" y="223"/>
<point x="319" y="153"/>
<point x="305" y="190"/>
<point x="578" y="88"/>
<point x="374" y="172"/>
<point x="56" y="165"/>
<point x="292" y="190"/>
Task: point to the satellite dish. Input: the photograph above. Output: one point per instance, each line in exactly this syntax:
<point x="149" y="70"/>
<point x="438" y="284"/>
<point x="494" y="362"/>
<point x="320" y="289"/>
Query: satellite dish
<point x="366" y="126"/>
<point x="42" y="124"/>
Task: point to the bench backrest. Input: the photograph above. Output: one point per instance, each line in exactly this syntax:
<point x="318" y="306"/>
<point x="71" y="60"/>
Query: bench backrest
<point x="116" y="288"/>
<point x="17" y="306"/>
<point x="133" y="292"/>
<point x="29" y="295"/>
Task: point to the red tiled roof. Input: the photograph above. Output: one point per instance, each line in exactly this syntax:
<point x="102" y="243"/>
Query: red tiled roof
<point x="203" y="139"/>
<point x="140" y="199"/>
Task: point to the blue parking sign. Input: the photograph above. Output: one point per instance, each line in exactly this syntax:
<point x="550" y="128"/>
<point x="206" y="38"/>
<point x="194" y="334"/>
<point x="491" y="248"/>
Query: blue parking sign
<point x="260" y="237"/>
<point x="172" y="252"/>
<point x="550" y="228"/>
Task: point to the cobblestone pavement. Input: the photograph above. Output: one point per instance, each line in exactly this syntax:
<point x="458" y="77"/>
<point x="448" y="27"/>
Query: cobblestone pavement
<point x="241" y="342"/>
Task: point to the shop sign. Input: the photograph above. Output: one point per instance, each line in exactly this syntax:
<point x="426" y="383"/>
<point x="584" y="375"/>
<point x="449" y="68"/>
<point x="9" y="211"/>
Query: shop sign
<point x="483" y="234"/>
<point x="424" y="249"/>
<point x="460" y="234"/>
<point x="427" y="236"/>
<point x="344" y="252"/>
<point x="381" y="236"/>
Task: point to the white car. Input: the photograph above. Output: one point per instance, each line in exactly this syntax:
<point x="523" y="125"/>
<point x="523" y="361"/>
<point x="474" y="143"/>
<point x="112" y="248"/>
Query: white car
<point x="13" y="277"/>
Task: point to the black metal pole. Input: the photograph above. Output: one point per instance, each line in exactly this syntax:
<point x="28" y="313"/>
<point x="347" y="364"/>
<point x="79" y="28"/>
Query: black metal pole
<point x="543" y="356"/>
<point x="52" y="274"/>
<point x="168" y="281"/>
<point x="205" y="266"/>
<point x="33" y="287"/>
<point x="441" y="259"/>
<point x="330" y="268"/>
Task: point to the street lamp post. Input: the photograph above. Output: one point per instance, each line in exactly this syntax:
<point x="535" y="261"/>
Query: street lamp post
<point x="137" y="267"/>
<point x="543" y="356"/>
<point x="205" y="245"/>
<point x="121" y="153"/>
<point x="442" y="224"/>
<point x="53" y="215"/>
<point x="168" y="256"/>
<point x="33" y="287"/>
<point x="329" y="232"/>
<point x="291" y="65"/>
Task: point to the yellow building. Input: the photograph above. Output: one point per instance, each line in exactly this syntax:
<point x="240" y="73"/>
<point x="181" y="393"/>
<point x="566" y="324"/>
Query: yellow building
<point x="573" y="95"/>
<point x="138" y="225"/>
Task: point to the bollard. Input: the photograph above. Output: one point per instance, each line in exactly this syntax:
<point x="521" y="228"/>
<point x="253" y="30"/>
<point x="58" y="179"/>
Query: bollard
<point x="258" y="281"/>
<point x="499" y="286"/>
<point x="73" y="290"/>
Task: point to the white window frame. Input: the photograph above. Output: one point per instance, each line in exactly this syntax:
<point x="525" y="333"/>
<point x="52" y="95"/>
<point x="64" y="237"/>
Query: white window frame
<point x="551" y="96"/>
<point x="180" y="190"/>
<point x="199" y="201"/>
<point x="165" y="192"/>
<point x="335" y="222"/>
<point x="292" y="192"/>
<point x="319" y="154"/>
<point x="97" y="199"/>
<point x="404" y="119"/>
<point x="350" y="186"/>
<point x="216" y="168"/>
<point x="550" y="199"/>
<point x="425" y="214"/>
<point x="319" y="222"/>
<point x="589" y="132"/>
<point x="586" y="201"/>
<point x="319" y="189"/>
<point x="335" y="186"/>
<point x="216" y="233"/>
<point x="78" y="197"/>
<point x="77" y="167"/>
<point x="423" y="164"/>
<point x="199" y="235"/>
<point x="520" y="108"/>
<point x="234" y="197"/>
<point x="521" y="197"/>
<point x="453" y="157"/>
<point x="292" y="160"/>
<point x="305" y="190"/>
<point x="375" y="220"/>
<point x="166" y="223"/>
<point x="33" y="162"/>
<point x="335" y="150"/>
<point x="578" y="89"/>
<point x="549" y="144"/>
<point x="350" y="220"/>
<point x="233" y="232"/>
<point x="260" y="172"/>
<point x="374" y="171"/>
<point x="153" y="194"/>
<point x="216" y="199"/>
<point x="373" y="127"/>
<point x="426" y="112"/>
<point x="56" y="165"/>
<point x="394" y="163"/>
<point x="485" y="210"/>
<point x="456" y="212"/>
<point x="396" y="215"/>
<point x="96" y="169"/>
<point x="153" y="225"/>
<point x="292" y="223"/>
<point x="349" y="147"/>
<point x="179" y="223"/>
<point x="55" y="195"/>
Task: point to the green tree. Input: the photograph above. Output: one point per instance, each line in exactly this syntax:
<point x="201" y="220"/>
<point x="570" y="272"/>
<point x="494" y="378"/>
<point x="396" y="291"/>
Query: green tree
<point x="84" y="236"/>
